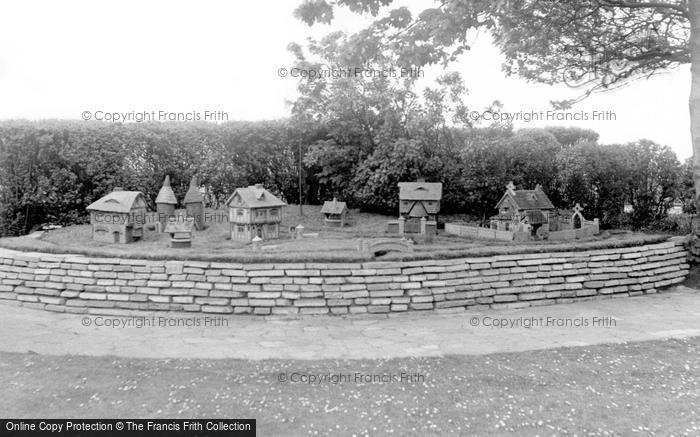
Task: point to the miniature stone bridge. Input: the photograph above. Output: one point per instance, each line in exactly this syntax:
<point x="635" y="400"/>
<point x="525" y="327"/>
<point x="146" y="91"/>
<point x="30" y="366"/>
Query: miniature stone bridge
<point x="385" y="245"/>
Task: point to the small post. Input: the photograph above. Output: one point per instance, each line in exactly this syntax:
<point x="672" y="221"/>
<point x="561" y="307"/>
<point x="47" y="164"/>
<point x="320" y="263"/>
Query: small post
<point x="299" y="231"/>
<point x="301" y="209"/>
<point x="402" y="225"/>
<point x="423" y="221"/>
<point x="256" y="242"/>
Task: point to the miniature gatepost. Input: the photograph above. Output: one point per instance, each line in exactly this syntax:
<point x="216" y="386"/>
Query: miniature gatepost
<point x="335" y="213"/>
<point x="165" y="204"/>
<point x="194" y="204"/>
<point x="254" y="212"/>
<point x="118" y="217"/>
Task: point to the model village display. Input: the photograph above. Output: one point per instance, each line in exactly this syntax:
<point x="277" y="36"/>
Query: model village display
<point x="255" y="214"/>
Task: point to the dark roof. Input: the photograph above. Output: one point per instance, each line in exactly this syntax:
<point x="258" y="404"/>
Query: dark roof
<point x="166" y="195"/>
<point x="193" y="194"/>
<point x="420" y="190"/>
<point x="117" y="201"/>
<point x="333" y="207"/>
<point x="528" y="199"/>
<point x="255" y="196"/>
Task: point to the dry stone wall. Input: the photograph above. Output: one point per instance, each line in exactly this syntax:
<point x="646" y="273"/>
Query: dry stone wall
<point x="80" y="284"/>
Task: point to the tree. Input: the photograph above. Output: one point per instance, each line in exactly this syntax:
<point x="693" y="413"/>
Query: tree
<point x="378" y="133"/>
<point x="595" y="44"/>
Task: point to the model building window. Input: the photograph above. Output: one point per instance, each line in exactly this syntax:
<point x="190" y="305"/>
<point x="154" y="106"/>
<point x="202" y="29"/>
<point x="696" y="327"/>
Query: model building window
<point x="239" y="211"/>
<point x="241" y="228"/>
<point x="260" y="213"/>
<point x="274" y="212"/>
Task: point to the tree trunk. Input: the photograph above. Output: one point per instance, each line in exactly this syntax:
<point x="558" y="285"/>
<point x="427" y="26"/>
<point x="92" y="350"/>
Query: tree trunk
<point x="694" y="7"/>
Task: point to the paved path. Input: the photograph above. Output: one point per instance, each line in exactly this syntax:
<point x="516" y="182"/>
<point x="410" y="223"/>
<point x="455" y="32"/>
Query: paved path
<point x="672" y="314"/>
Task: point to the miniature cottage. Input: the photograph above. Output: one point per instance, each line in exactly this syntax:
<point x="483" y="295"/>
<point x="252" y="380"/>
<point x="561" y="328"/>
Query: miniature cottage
<point x="419" y="200"/>
<point x="254" y="212"/>
<point x="165" y="203"/>
<point x="118" y="217"/>
<point x="335" y="213"/>
<point x="523" y="210"/>
<point x="194" y="204"/>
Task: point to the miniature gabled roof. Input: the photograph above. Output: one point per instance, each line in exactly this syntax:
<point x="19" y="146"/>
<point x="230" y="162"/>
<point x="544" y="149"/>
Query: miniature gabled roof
<point x="420" y="190"/>
<point x="333" y="207"/>
<point x="255" y="196"/>
<point x="527" y="199"/>
<point x="117" y="201"/>
<point x="193" y="195"/>
<point x="166" y="195"/>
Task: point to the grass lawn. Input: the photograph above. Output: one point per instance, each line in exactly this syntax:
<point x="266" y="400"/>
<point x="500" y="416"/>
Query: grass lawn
<point x="329" y="244"/>
<point x="646" y="388"/>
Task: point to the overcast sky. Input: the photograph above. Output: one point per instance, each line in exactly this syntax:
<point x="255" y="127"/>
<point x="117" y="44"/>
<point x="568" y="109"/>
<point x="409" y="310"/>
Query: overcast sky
<point x="59" y="59"/>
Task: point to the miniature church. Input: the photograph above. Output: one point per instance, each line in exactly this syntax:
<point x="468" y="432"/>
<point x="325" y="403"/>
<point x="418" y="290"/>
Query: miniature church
<point x="523" y="210"/>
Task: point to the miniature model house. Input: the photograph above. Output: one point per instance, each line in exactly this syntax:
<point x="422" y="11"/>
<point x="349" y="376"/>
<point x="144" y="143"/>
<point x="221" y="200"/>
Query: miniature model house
<point x="165" y="203"/>
<point x="523" y="210"/>
<point x="118" y="217"/>
<point x="254" y="212"/>
<point x="335" y="213"/>
<point x="418" y="200"/>
<point x="194" y="204"/>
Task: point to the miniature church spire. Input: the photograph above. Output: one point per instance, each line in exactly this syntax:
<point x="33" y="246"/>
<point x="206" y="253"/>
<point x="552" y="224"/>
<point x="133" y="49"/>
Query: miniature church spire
<point x="510" y="187"/>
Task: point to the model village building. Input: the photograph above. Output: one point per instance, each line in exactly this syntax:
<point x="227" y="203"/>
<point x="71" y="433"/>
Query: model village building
<point x="335" y="213"/>
<point x="254" y="212"/>
<point x="118" y="217"/>
<point x="419" y="199"/>
<point x="523" y="210"/>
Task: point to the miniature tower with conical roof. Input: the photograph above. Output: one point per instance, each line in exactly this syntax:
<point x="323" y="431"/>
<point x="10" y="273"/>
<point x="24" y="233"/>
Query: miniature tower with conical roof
<point x="194" y="204"/>
<point x="165" y="203"/>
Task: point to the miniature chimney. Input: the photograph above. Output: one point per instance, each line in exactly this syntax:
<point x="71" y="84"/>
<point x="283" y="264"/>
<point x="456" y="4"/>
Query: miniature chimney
<point x="117" y="189"/>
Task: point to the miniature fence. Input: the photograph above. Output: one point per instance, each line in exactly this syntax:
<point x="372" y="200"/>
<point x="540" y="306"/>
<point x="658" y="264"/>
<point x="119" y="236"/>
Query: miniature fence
<point x="478" y="232"/>
<point x="113" y="286"/>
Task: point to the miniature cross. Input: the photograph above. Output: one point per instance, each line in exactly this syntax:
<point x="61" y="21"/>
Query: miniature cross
<point x="510" y="186"/>
<point x="578" y="208"/>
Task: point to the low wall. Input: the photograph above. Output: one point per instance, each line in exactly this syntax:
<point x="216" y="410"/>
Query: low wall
<point x="79" y="284"/>
<point x="478" y="232"/>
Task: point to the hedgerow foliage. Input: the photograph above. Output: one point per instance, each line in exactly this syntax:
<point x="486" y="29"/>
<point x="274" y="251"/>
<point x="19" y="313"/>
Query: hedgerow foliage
<point x="51" y="170"/>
